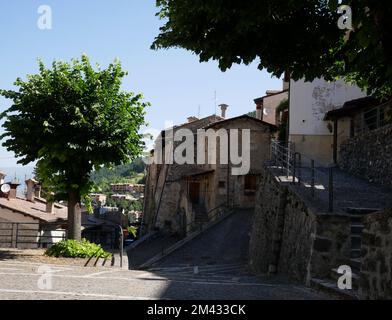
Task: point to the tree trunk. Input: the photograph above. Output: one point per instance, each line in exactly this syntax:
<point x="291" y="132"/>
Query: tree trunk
<point x="74" y="216"/>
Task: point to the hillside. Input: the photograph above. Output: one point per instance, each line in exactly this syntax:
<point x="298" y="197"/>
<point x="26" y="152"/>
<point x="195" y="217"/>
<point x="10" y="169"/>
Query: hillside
<point x="129" y="173"/>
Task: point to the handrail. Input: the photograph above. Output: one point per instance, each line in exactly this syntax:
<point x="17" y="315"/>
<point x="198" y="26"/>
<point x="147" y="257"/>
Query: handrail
<point x="17" y="233"/>
<point x="199" y="224"/>
<point x="305" y="173"/>
<point x="121" y="245"/>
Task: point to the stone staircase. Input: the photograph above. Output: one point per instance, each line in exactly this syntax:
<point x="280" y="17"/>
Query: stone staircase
<point x="201" y="215"/>
<point x="330" y="285"/>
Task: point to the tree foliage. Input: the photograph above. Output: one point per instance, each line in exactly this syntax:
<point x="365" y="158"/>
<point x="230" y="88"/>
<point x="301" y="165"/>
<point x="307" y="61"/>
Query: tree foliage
<point x="301" y="37"/>
<point x="73" y="119"/>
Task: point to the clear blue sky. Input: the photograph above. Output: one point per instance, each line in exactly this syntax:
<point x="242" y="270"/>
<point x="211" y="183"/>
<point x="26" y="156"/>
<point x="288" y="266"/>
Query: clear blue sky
<point x="172" y="80"/>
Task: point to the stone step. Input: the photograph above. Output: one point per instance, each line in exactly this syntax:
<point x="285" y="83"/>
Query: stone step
<point x="356" y="241"/>
<point x="355" y="264"/>
<point x="355" y="254"/>
<point x="362" y="211"/>
<point x="356" y="219"/>
<point x="335" y="276"/>
<point x="332" y="289"/>
<point x="357" y="228"/>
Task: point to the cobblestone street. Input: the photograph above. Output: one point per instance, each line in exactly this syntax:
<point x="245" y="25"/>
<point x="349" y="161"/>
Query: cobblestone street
<point x="20" y="281"/>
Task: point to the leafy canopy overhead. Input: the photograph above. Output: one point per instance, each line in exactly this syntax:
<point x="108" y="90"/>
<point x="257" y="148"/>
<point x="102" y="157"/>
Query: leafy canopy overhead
<point x="301" y="37"/>
<point x="73" y="119"/>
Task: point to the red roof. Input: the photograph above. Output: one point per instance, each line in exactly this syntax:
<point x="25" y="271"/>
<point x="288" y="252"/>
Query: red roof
<point x="35" y="210"/>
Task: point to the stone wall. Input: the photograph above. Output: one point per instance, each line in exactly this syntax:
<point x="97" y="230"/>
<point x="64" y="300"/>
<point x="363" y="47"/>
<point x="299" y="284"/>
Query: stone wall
<point x="290" y="238"/>
<point x="264" y="224"/>
<point x="369" y="155"/>
<point x="376" y="262"/>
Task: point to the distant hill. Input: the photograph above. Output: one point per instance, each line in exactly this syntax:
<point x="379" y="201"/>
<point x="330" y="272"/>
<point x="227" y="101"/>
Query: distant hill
<point x="130" y="173"/>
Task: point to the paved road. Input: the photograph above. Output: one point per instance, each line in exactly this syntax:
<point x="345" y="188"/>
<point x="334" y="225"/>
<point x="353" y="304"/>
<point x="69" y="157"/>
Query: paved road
<point x="22" y="280"/>
<point x="211" y="267"/>
<point x="225" y="243"/>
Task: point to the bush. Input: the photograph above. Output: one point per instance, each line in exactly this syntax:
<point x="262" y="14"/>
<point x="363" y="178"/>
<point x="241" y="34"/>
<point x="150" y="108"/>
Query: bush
<point x="76" y="249"/>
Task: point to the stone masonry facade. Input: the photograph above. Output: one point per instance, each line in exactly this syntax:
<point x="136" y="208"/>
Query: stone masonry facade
<point x="292" y="239"/>
<point x="367" y="156"/>
<point x="376" y="261"/>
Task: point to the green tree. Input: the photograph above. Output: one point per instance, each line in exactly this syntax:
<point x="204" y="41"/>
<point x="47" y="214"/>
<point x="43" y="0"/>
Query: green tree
<point x="73" y="119"/>
<point x="301" y="37"/>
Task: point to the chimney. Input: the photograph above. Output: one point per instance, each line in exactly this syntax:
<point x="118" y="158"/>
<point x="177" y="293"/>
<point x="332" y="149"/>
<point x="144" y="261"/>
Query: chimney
<point x="13" y="192"/>
<point x="49" y="207"/>
<point x="259" y="109"/>
<point x="30" y="184"/>
<point x="223" y="110"/>
<point x="192" y="119"/>
<point x="37" y="191"/>
<point x="50" y="204"/>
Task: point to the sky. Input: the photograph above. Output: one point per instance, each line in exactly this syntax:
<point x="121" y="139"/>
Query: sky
<point x="173" y="81"/>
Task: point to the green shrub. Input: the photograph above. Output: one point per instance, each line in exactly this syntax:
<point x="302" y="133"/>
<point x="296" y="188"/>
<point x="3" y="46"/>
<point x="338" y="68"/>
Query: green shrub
<point x="77" y="249"/>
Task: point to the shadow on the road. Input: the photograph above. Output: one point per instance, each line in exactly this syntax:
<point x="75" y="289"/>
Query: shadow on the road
<point x="8" y="255"/>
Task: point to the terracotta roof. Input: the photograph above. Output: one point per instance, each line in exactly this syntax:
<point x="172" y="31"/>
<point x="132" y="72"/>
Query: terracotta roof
<point x="199" y="172"/>
<point x="261" y="122"/>
<point x="35" y="210"/>
<point x="269" y="95"/>
<point x="213" y="117"/>
<point x="351" y="107"/>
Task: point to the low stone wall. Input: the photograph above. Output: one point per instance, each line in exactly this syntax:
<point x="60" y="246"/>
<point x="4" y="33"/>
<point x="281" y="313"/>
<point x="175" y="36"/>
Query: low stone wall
<point x="290" y="238"/>
<point x="367" y="156"/>
<point x="267" y="211"/>
<point x="376" y="263"/>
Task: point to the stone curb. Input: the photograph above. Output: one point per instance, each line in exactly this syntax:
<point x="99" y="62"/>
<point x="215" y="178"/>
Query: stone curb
<point x="140" y="241"/>
<point x="331" y="289"/>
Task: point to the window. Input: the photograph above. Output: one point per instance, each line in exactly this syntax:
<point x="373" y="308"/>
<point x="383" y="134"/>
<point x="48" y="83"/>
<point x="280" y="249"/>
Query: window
<point x="370" y="120"/>
<point x="250" y="184"/>
<point x="222" y="185"/>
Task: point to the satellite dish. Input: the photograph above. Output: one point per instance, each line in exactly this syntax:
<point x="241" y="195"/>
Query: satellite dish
<point x="266" y="111"/>
<point x="5" y="188"/>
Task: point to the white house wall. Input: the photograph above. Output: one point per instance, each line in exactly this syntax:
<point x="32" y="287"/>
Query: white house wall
<point x="310" y="101"/>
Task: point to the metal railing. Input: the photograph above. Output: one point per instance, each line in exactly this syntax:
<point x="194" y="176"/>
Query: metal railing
<point x="312" y="179"/>
<point x="25" y="235"/>
<point x="193" y="226"/>
<point x="372" y="119"/>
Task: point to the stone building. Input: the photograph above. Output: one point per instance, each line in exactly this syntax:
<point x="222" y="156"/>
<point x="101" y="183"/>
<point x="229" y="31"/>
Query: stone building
<point x="361" y="143"/>
<point x="266" y="107"/>
<point x="309" y="103"/>
<point x="32" y="221"/>
<point x="178" y="196"/>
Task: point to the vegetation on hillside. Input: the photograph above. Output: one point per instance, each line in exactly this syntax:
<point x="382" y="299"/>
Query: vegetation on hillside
<point x="134" y="173"/>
